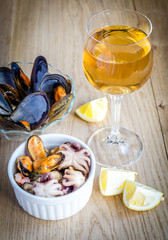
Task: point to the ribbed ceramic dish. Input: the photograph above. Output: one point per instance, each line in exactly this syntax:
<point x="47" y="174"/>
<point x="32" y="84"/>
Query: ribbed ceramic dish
<point x="48" y="128"/>
<point x="54" y="208"/>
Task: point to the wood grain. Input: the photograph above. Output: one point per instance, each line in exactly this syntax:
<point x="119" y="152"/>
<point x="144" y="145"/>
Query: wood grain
<point x="56" y="29"/>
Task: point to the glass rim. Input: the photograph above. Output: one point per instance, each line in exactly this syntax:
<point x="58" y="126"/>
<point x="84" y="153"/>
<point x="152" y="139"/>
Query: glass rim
<point x="118" y="9"/>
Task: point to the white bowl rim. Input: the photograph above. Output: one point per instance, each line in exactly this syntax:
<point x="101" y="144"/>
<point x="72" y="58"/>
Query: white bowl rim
<point x="58" y="199"/>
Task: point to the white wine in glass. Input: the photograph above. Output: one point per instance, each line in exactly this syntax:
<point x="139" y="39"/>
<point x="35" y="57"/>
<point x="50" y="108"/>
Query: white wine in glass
<point x="117" y="60"/>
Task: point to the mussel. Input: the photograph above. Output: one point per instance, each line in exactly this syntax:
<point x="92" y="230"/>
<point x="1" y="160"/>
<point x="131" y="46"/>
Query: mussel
<point x="47" y="164"/>
<point x="6" y="77"/>
<point x="12" y="94"/>
<point x="59" y="109"/>
<point x="51" y="82"/>
<point x="34" y="109"/>
<point x="54" y="150"/>
<point x="59" y="93"/>
<point x="24" y="165"/>
<point x="40" y="68"/>
<point x="5" y="106"/>
<point x="7" y="124"/>
<point x="25" y="124"/>
<point x="22" y="82"/>
<point x="36" y="149"/>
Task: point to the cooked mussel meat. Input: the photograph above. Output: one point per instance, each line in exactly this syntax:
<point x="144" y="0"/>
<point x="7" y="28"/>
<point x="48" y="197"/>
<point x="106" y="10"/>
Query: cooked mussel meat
<point x="40" y="68"/>
<point x="34" y="109"/>
<point x="36" y="148"/>
<point x="24" y="165"/>
<point x="59" y="93"/>
<point x="25" y="124"/>
<point x="47" y="164"/>
<point x="54" y="150"/>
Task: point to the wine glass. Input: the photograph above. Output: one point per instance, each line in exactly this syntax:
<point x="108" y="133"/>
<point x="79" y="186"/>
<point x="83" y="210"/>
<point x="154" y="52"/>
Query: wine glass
<point x="117" y="60"/>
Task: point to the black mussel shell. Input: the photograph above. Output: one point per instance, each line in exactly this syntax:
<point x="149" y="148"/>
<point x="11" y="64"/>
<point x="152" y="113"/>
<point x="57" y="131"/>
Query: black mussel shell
<point x="59" y="108"/>
<point x="22" y="82"/>
<point x="6" y="77"/>
<point x="51" y="82"/>
<point x="12" y="94"/>
<point x="4" y="112"/>
<point x="5" y="106"/>
<point x="40" y="68"/>
<point x="24" y="171"/>
<point x="34" y="109"/>
<point x="7" y="124"/>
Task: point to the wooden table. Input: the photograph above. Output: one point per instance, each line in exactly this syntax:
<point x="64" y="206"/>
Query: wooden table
<point x="56" y="29"/>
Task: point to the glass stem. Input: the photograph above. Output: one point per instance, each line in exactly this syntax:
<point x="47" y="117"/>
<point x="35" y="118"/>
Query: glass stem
<point x="115" y="113"/>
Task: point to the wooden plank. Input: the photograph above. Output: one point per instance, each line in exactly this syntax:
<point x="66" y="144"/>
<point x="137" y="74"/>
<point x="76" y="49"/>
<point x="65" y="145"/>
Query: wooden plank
<point x="5" y="29"/>
<point x="157" y="13"/>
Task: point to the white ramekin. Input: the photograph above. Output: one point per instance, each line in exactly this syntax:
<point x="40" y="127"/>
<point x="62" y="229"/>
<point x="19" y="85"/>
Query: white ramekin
<point x="56" y="207"/>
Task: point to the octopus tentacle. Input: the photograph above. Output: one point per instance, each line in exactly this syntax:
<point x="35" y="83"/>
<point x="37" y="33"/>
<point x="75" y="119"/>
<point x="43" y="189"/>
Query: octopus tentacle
<point x="80" y="160"/>
<point x="63" y="165"/>
<point x="87" y="159"/>
<point x="85" y="152"/>
<point x="67" y="183"/>
<point x="86" y="166"/>
<point x="47" y="189"/>
<point x="73" y="178"/>
<point x="64" y="146"/>
<point x="80" y="168"/>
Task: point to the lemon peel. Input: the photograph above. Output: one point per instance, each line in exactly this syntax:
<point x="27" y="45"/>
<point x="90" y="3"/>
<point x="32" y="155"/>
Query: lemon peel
<point x="139" y="197"/>
<point x="112" y="181"/>
<point x="93" y="111"/>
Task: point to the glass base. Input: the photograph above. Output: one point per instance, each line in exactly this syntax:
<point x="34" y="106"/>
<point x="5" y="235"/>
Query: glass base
<point x="115" y="151"/>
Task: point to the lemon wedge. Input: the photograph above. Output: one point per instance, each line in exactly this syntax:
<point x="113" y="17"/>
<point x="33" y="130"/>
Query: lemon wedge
<point x="94" y="111"/>
<point x="112" y="181"/>
<point x="140" y="197"/>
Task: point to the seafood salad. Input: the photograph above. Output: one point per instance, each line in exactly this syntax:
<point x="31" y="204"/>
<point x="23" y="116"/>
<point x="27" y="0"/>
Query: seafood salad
<point x="52" y="173"/>
<point x="28" y="103"/>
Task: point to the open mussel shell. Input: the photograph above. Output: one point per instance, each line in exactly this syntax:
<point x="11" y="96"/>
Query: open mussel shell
<point x="6" y="77"/>
<point x="12" y="93"/>
<point x="5" y="106"/>
<point x="40" y="68"/>
<point x="34" y="109"/>
<point x="21" y="80"/>
<point x="8" y="125"/>
<point x="59" y="109"/>
<point x="51" y="82"/>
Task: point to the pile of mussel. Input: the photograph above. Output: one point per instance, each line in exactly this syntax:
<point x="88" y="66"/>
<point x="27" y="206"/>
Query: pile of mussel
<point x="27" y="104"/>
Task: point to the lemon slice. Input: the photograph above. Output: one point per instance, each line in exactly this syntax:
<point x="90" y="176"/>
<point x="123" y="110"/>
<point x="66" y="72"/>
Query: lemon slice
<point x="94" y="111"/>
<point x="140" y="197"/>
<point x="112" y="181"/>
